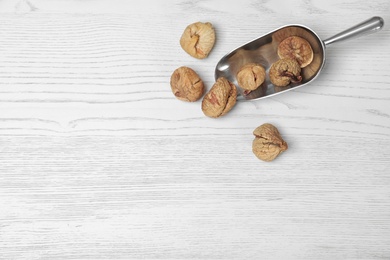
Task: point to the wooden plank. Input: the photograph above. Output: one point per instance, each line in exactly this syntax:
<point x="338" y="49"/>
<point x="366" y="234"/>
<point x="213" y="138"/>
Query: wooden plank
<point x="98" y="159"/>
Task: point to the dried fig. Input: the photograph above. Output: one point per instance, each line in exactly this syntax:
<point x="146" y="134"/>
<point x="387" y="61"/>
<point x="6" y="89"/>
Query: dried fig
<point x="250" y="76"/>
<point x="186" y="85"/>
<point x="297" y="48"/>
<point x="285" y="71"/>
<point x="268" y="143"/>
<point x="220" y="99"/>
<point x="198" y="39"/>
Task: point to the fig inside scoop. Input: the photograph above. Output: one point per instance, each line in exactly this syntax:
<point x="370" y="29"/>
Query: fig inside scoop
<point x="264" y="51"/>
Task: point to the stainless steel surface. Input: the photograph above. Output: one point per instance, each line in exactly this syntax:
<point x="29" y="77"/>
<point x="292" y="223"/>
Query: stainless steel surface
<point x="369" y="26"/>
<point x="263" y="50"/>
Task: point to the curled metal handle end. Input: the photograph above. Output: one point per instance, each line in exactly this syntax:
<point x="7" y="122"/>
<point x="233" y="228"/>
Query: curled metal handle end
<point x="378" y="23"/>
<point x="381" y="22"/>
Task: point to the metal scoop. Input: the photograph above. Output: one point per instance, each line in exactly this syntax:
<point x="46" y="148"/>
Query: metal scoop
<point x="263" y="50"/>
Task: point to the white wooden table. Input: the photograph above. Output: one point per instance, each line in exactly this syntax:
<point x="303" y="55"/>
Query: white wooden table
<point x="98" y="159"/>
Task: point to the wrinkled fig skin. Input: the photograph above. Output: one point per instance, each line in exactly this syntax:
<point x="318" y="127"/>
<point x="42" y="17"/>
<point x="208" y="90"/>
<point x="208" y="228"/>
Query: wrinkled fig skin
<point x="297" y="48"/>
<point x="251" y="76"/>
<point x="198" y="39"/>
<point x="285" y="71"/>
<point x="220" y="99"/>
<point x="186" y="85"/>
<point x="268" y="143"/>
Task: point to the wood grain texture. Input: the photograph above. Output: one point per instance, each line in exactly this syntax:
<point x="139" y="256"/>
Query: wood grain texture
<point x="98" y="160"/>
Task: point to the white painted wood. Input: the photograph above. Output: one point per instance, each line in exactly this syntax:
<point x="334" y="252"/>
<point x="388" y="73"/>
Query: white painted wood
<point x="98" y="160"/>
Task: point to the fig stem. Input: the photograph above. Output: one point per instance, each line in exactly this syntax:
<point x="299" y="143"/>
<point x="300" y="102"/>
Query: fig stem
<point x="293" y="78"/>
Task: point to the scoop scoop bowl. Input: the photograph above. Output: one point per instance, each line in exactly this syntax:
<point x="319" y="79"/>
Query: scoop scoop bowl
<point x="263" y="50"/>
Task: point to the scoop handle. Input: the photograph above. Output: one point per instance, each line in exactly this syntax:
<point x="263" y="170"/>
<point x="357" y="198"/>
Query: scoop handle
<point x="372" y="25"/>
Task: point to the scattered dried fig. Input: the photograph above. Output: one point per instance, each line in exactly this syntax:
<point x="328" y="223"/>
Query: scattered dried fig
<point x="285" y="71"/>
<point x="198" y="39"/>
<point x="186" y="85"/>
<point x="220" y="99"/>
<point x="250" y="76"/>
<point x="268" y="143"/>
<point x="297" y="48"/>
